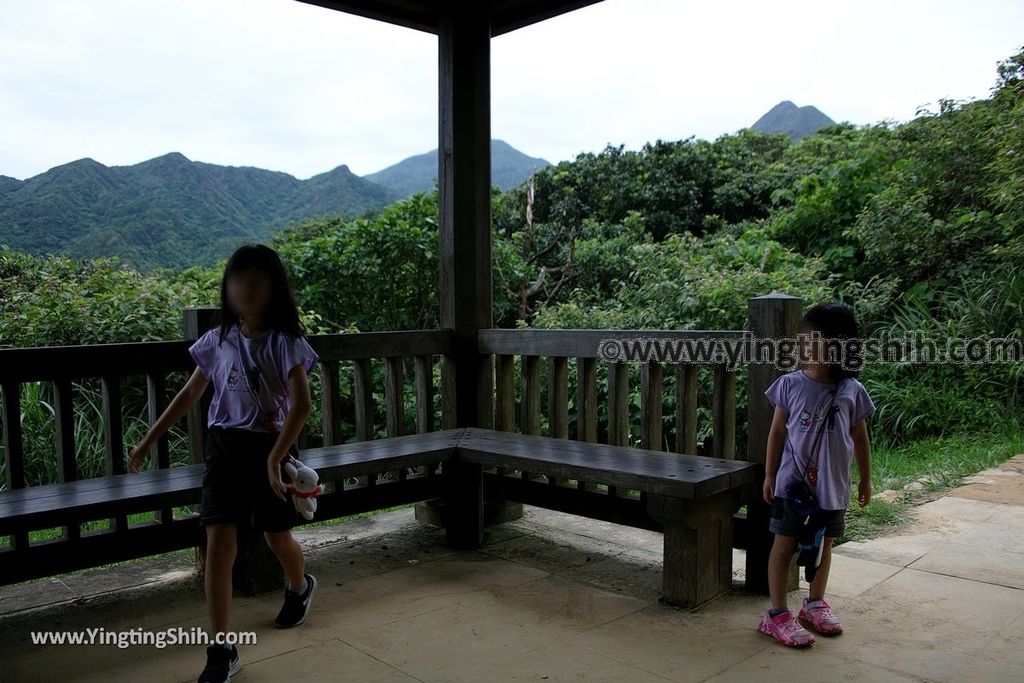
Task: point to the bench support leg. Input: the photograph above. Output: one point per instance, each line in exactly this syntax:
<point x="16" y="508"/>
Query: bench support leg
<point x="698" y="546"/>
<point x="464" y="513"/>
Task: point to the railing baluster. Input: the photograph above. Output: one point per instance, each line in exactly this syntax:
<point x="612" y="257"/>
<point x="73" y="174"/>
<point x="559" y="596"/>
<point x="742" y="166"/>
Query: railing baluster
<point x="362" y="394"/>
<point x="64" y="441"/>
<point x="113" y="441"/>
<point x="586" y="405"/>
<point x="586" y="399"/>
<point x="529" y="420"/>
<point x="156" y="400"/>
<point x="14" y="451"/>
<point x="394" y="405"/>
<point x="505" y="387"/>
<point x="505" y="396"/>
<point x="618" y="408"/>
<point x="394" y="399"/>
<point x="558" y="397"/>
<point x="618" y="404"/>
<point x="558" y="400"/>
<point x="424" y="368"/>
<point x="686" y="409"/>
<point x="724" y="413"/>
<point x="330" y="401"/>
<point x="650" y="405"/>
<point x="448" y="407"/>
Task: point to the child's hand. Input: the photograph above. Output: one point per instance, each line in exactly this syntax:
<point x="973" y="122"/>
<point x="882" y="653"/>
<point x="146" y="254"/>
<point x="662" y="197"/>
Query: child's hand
<point x="136" y="457"/>
<point x="277" y="485"/>
<point x="864" y="492"/>
<point x="768" y="491"/>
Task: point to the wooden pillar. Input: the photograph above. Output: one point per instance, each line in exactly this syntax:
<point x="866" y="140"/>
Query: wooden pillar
<point x="464" y="195"/>
<point x="697" y="564"/>
<point x="772" y="316"/>
<point x="256" y="568"/>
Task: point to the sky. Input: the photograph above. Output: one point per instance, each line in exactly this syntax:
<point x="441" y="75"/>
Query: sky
<point x="292" y="87"/>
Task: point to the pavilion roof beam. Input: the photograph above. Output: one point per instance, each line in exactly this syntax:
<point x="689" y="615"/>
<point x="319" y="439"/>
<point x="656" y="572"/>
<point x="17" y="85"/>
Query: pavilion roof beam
<point x="424" y="15"/>
<point x="421" y="15"/>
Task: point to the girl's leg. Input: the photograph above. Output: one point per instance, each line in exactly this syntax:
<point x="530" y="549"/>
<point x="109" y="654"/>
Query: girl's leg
<point x="778" y="569"/>
<point x="779" y="622"/>
<point x="289" y="554"/>
<point x="816" y="612"/>
<point x="817" y="588"/>
<point x="221" y="548"/>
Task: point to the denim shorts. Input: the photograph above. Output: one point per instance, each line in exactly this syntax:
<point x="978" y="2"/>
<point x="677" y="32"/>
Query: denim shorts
<point x="235" y="484"/>
<point x="785" y="521"/>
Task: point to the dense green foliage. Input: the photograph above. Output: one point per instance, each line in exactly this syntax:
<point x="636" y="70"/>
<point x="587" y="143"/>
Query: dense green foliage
<point x="168" y="211"/>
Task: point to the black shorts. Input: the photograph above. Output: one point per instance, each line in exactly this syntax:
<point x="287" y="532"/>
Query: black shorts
<point x="785" y="522"/>
<point x="235" y="484"/>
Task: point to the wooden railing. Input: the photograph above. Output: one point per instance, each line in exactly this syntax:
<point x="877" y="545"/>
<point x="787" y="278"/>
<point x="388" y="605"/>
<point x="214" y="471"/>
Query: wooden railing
<point x="148" y="369"/>
<point x="347" y="361"/>
<point x="559" y="346"/>
<point x="67" y="367"/>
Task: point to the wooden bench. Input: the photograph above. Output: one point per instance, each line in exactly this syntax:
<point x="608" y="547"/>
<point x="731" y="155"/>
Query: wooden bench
<point x="114" y="497"/>
<point x="691" y="499"/>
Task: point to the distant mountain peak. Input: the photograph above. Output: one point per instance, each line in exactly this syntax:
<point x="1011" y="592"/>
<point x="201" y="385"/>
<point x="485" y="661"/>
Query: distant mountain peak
<point x="418" y="173"/>
<point x="796" y="122"/>
<point x="84" y="161"/>
<point x="170" y="158"/>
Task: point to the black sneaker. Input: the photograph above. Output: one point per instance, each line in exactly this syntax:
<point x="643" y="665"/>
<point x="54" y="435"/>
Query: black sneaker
<point x="220" y="664"/>
<point x="296" y="607"/>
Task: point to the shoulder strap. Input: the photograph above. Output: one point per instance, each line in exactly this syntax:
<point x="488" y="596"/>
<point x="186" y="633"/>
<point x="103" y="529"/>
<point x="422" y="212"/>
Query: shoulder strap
<point x="813" y="458"/>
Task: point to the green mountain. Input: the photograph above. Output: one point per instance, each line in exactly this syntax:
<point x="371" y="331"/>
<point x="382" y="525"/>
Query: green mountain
<point x="509" y="167"/>
<point x="168" y="211"/>
<point x="796" y="122"/>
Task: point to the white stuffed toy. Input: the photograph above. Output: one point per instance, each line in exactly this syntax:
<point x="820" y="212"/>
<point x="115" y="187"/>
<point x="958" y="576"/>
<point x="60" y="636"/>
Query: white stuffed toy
<point x="304" y="486"/>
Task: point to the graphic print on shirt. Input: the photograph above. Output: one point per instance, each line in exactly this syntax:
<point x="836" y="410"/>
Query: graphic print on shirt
<point x="234" y="375"/>
<point x="807" y="424"/>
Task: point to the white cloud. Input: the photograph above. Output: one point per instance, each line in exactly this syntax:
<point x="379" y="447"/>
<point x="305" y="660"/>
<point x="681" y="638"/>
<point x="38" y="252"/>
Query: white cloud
<point x="288" y="86"/>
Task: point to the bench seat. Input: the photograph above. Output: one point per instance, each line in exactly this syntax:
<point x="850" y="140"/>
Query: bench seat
<point x="690" y="499"/>
<point x="68" y="504"/>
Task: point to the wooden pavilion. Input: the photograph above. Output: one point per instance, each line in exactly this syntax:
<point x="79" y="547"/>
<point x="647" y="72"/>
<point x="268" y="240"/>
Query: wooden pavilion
<point x="667" y="484"/>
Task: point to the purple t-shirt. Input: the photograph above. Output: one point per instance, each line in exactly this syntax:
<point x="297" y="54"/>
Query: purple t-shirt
<point x="805" y="401"/>
<point x="250" y="376"/>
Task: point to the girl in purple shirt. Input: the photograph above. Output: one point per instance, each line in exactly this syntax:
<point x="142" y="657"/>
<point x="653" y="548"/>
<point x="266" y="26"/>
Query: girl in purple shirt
<point x="257" y="359"/>
<point x="817" y="431"/>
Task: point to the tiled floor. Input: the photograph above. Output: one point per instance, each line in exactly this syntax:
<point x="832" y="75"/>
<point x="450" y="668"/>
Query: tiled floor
<point x="560" y="598"/>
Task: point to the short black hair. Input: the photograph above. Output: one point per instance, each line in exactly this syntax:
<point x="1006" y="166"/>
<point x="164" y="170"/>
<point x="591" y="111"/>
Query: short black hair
<point x="836" y="321"/>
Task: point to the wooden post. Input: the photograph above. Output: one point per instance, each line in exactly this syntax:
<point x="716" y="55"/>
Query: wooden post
<point x="196" y="322"/>
<point x="772" y="316"/>
<point x="464" y="249"/>
<point x="257" y="569"/>
<point x="697" y="565"/>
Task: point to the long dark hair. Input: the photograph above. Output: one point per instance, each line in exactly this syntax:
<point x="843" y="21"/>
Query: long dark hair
<point x="836" y="322"/>
<point x="281" y="313"/>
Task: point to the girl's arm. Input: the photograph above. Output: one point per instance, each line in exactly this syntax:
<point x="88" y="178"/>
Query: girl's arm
<point x="294" y="421"/>
<point x="776" y="441"/>
<point x="185" y="399"/>
<point x="862" y="453"/>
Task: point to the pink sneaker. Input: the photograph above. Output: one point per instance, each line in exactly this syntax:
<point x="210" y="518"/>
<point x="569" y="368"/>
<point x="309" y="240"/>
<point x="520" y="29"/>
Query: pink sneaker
<point x="818" y="615"/>
<point x="785" y="629"/>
